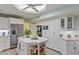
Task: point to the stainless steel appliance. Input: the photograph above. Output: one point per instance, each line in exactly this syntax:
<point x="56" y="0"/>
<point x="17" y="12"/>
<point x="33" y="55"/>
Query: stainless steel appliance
<point x="16" y="30"/>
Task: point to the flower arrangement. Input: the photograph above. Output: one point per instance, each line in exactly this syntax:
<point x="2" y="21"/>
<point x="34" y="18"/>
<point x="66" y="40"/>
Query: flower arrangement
<point x="27" y="32"/>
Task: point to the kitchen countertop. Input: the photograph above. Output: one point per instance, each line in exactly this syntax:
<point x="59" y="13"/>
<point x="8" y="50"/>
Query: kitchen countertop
<point x="30" y="40"/>
<point x="77" y="39"/>
<point x="4" y="36"/>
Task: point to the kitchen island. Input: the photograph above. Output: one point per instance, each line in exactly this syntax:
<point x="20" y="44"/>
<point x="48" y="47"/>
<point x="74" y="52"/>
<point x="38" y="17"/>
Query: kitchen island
<point x="31" y="46"/>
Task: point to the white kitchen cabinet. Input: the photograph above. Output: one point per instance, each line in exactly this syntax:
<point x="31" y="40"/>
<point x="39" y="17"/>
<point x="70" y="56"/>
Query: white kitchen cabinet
<point x="73" y="47"/>
<point x="4" y="23"/>
<point x="67" y="23"/>
<point x="1" y="23"/>
<point x="4" y="43"/>
<point x="70" y="50"/>
<point x="0" y="44"/>
<point x="16" y="20"/>
<point x="73" y="50"/>
<point x="70" y="47"/>
<point x="22" y="48"/>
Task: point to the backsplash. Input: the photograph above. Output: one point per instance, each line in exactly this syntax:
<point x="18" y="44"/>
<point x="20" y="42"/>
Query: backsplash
<point x="4" y="33"/>
<point x="69" y="34"/>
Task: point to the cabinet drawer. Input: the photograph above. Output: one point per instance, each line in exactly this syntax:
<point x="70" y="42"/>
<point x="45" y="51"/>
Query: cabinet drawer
<point x="72" y="42"/>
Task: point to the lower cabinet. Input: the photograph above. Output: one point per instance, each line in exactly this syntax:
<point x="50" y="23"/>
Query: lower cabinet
<point x="4" y="43"/>
<point x="22" y="48"/>
<point x="1" y="44"/>
<point x="70" y="50"/>
<point x="73" y="48"/>
<point x="69" y="47"/>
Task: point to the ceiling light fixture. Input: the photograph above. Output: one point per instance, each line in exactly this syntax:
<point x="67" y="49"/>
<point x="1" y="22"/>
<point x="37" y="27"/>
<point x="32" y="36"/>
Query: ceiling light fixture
<point x="31" y="8"/>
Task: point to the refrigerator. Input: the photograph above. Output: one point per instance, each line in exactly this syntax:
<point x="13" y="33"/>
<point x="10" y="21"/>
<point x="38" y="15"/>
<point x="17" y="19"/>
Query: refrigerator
<point x="16" y="30"/>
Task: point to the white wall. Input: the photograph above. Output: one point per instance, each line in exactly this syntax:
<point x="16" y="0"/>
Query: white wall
<point x="52" y="34"/>
<point x="32" y="27"/>
<point x="76" y="23"/>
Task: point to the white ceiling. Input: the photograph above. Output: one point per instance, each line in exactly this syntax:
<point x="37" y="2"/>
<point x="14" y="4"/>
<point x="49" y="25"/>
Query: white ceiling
<point x="11" y="10"/>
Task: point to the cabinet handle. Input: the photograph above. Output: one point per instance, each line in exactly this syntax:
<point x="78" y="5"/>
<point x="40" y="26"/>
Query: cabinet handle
<point x="74" y="48"/>
<point x="23" y="45"/>
<point x="74" y="43"/>
<point x="23" y="49"/>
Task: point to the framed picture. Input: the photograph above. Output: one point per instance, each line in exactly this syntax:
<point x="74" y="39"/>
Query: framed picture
<point x="45" y="27"/>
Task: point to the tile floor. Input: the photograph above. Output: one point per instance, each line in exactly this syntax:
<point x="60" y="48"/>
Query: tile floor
<point x="14" y="52"/>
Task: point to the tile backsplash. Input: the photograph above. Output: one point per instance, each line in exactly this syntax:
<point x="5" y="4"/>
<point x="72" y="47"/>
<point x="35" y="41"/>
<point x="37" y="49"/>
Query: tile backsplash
<point x="70" y="34"/>
<point x="4" y="33"/>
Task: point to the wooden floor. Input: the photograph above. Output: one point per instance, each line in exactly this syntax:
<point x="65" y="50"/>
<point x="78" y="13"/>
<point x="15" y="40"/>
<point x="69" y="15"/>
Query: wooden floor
<point x="14" y="52"/>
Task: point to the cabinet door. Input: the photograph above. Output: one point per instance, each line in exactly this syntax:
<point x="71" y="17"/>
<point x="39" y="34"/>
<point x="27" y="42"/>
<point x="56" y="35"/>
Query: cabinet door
<point x="6" y="42"/>
<point x="71" y="50"/>
<point x="76" y="50"/>
<point x="63" y="23"/>
<point x="0" y="44"/>
<point x="1" y="23"/>
<point x="6" y="24"/>
<point x="69" y="23"/>
<point x="22" y="48"/>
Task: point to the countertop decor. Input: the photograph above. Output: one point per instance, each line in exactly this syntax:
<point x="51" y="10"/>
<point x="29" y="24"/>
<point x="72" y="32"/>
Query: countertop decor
<point x="27" y="33"/>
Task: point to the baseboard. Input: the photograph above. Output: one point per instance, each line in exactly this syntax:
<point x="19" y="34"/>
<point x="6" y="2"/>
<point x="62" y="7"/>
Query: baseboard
<point x="55" y="50"/>
<point x="7" y="49"/>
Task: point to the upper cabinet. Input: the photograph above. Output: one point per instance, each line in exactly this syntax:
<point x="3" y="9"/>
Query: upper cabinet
<point x="63" y="23"/>
<point x="4" y="23"/>
<point x="67" y="23"/>
<point x="16" y="20"/>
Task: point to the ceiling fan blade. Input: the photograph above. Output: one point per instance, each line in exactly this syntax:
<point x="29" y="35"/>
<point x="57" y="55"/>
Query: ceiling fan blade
<point x="35" y="9"/>
<point x="34" y="4"/>
<point x="25" y="8"/>
<point x="37" y="4"/>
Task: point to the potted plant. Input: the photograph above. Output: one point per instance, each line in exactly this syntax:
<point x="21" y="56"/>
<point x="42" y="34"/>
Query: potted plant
<point x="27" y="33"/>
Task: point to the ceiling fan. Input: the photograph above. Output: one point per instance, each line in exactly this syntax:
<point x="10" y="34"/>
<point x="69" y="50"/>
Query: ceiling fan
<point x="32" y="6"/>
